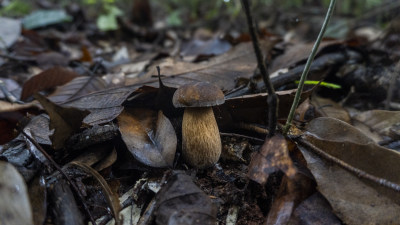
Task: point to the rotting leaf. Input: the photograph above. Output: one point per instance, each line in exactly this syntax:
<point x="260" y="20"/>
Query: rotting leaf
<point x="360" y="201"/>
<point x="77" y="87"/>
<point x="50" y="78"/>
<point x="151" y="139"/>
<point x="15" y="207"/>
<point x="272" y="157"/>
<point x="64" y="120"/>
<point x="180" y="201"/>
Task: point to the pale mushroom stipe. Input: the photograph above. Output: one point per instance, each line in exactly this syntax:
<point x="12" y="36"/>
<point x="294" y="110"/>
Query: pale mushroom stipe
<point x="201" y="142"/>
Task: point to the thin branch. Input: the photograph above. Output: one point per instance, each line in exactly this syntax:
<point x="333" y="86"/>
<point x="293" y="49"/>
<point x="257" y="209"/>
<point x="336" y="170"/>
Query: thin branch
<point x="307" y="67"/>
<point x="348" y="167"/>
<point x="272" y="98"/>
<point x="53" y="163"/>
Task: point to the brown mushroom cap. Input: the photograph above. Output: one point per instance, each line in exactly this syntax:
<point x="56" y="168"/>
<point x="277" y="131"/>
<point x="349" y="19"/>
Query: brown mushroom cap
<point x="200" y="94"/>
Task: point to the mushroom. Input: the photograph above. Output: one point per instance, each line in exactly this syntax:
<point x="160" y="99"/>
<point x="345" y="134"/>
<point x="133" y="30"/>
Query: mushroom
<point x="201" y="142"/>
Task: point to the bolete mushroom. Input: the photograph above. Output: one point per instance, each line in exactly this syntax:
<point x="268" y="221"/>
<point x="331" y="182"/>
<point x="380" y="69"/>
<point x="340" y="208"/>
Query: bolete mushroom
<point x="201" y="142"/>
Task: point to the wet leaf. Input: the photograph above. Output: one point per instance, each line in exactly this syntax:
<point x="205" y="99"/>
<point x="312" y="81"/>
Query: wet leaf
<point x="50" y="78"/>
<point x="180" y="201"/>
<point x="151" y="139"/>
<point x="64" y="120"/>
<point x="272" y="157"/>
<point x="77" y="87"/>
<point x="359" y="201"/>
<point x="15" y="207"/>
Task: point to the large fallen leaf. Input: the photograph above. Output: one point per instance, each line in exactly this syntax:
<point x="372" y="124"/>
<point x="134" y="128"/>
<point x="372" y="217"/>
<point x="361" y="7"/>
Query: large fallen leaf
<point x="221" y="70"/>
<point x="273" y="156"/>
<point x="64" y="120"/>
<point x="149" y="137"/>
<point x="15" y="207"/>
<point x="360" y="200"/>
<point x="180" y="201"/>
<point x="50" y="78"/>
<point x="352" y="200"/>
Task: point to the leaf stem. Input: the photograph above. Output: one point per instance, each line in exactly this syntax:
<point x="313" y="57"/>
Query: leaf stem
<point x="307" y="66"/>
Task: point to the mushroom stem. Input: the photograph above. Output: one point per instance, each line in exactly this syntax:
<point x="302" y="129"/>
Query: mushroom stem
<point x="201" y="142"/>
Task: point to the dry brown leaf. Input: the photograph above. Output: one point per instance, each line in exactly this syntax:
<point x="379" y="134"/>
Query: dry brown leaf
<point x="352" y="200"/>
<point x="50" y="78"/>
<point x="359" y="201"/>
<point x="64" y="120"/>
<point x="272" y="157"/>
<point x="149" y="137"/>
<point x="221" y="70"/>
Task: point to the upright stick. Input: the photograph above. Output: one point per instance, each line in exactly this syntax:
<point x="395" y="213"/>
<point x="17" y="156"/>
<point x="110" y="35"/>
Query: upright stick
<point x="272" y="99"/>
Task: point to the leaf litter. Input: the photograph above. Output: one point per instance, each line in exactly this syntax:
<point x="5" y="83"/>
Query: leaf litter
<point x="325" y="172"/>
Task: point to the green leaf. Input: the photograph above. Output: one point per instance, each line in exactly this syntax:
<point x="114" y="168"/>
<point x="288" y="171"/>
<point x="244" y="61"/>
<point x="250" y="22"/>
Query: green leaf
<point x="107" y="22"/>
<point x="43" y="18"/>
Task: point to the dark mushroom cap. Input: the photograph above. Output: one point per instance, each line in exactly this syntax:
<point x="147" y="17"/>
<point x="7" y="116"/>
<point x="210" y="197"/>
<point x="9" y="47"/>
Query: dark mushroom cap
<point x="200" y="94"/>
